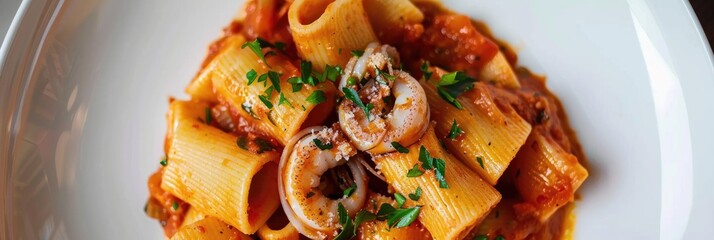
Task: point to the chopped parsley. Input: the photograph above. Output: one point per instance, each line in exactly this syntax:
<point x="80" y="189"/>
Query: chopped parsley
<point x="309" y="194"/>
<point x="499" y="237"/>
<point x="400" y="199"/>
<point x="348" y="227"/>
<point x="164" y="161"/>
<point x="452" y="85"/>
<point x="283" y="100"/>
<point x="425" y="70"/>
<point x="351" y="81"/>
<point x="479" y="159"/>
<point x="357" y="53"/>
<point x="316" y="97"/>
<point x="249" y="109"/>
<point x="397" y="218"/>
<point x="429" y="163"/>
<point x="266" y="101"/>
<point x="257" y="47"/>
<point x="400" y="148"/>
<point x="175" y="206"/>
<point x="414" y="172"/>
<point x="306" y="73"/>
<point x="363" y="216"/>
<point x="242" y="142"/>
<point x="416" y="195"/>
<point x="455" y="131"/>
<point x="481" y="237"/>
<point x="274" y="79"/>
<point x="402" y="217"/>
<point x="263" y="145"/>
<point x="352" y="95"/>
<point x="251" y="76"/>
<point x="321" y="145"/>
<point x="209" y="116"/>
<point x="350" y="190"/>
<point x="296" y="83"/>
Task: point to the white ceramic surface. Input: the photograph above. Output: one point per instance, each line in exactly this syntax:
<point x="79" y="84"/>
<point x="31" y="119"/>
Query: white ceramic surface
<point x="84" y="88"/>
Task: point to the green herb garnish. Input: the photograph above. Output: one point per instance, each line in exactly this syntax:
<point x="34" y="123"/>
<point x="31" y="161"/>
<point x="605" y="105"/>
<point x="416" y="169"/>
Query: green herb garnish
<point x="251" y="76"/>
<point x="266" y="101"/>
<point x="429" y="163"/>
<point x="357" y="53"/>
<point x="249" y="109"/>
<point x="352" y="95"/>
<point x="316" y="97"/>
<point x="414" y="172"/>
<point x="416" y="195"/>
<point x="400" y="199"/>
<point x="351" y="81"/>
<point x="256" y="47"/>
<point x="296" y="83"/>
<point x="400" y="148"/>
<point x="363" y="216"/>
<point x="321" y="145"/>
<point x="455" y="131"/>
<point x="274" y="79"/>
<point x="479" y="159"/>
<point x="209" y="116"/>
<point x="348" y="230"/>
<point x="175" y="205"/>
<point x="481" y="237"/>
<point x="425" y="70"/>
<point x="282" y="100"/>
<point x="452" y="85"/>
<point x="348" y="192"/>
<point x="242" y="142"/>
<point x="164" y="161"/>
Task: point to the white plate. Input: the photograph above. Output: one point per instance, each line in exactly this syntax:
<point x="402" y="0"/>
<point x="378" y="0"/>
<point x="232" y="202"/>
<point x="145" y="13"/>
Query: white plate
<point x="84" y="87"/>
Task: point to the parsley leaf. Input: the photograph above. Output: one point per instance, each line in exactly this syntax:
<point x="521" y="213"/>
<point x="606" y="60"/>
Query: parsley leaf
<point x="481" y="237"/>
<point x="440" y="172"/>
<point x="242" y="142"/>
<point x="454" y="84"/>
<point x="400" y="199"/>
<point x="209" y="116"/>
<point x="309" y="194"/>
<point x="348" y="192"/>
<point x="499" y="237"/>
<point x="282" y="100"/>
<point x="427" y="162"/>
<point x="296" y="83"/>
<point x="251" y="75"/>
<point x="479" y="159"/>
<point x="164" y="161"/>
<point x="249" y="109"/>
<point x="425" y="70"/>
<point x="266" y="101"/>
<point x="316" y="97"/>
<point x="384" y="210"/>
<point x="416" y="195"/>
<point x="274" y="79"/>
<point x="332" y="72"/>
<point x="414" y="172"/>
<point x="403" y="217"/>
<point x="351" y="81"/>
<point x="256" y="47"/>
<point x="306" y="73"/>
<point x="400" y="148"/>
<point x="263" y="145"/>
<point x="357" y="53"/>
<point x="321" y="145"/>
<point x="175" y="206"/>
<point x="352" y="95"/>
<point x="455" y="131"/>
<point x="363" y="216"/>
<point x="348" y="230"/>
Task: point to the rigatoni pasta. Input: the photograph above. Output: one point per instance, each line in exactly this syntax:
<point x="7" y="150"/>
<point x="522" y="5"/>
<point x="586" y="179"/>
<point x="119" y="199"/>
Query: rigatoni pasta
<point x="489" y="135"/>
<point x="326" y="31"/>
<point x="206" y="169"/>
<point x="368" y="119"/>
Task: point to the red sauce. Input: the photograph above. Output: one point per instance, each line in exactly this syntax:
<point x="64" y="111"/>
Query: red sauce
<point x="450" y="41"/>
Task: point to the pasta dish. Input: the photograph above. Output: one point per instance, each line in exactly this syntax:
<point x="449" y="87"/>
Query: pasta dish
<point x="366" y="119"/>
